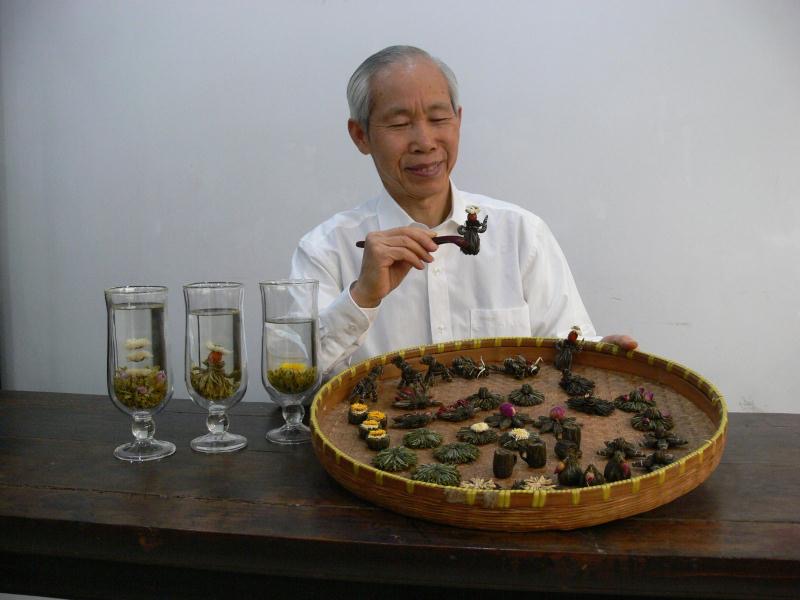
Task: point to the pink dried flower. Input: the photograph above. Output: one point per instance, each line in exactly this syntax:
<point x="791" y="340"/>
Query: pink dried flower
<point x="557" y="413"/>
<point x="507" y="409"/>
<point x="161" y="376"/>
<point x="142" y="390"/>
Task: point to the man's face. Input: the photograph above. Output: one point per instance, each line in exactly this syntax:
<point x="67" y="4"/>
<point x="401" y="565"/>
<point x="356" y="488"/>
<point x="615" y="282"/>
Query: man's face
<point x="413" y="131"/>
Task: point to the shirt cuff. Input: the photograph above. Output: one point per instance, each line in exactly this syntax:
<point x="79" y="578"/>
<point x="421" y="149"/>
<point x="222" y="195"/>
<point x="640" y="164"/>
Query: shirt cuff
<point x="346" y="321"/>
<point x="369" y="313"/>
<point x="343" y="327"/>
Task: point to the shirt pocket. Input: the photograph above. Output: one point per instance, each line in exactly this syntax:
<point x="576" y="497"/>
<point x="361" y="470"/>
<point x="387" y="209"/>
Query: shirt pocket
<point x="500" y="322"/>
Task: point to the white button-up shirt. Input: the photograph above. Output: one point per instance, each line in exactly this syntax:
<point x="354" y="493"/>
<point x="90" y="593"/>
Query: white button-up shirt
<point x="518" y="285"/>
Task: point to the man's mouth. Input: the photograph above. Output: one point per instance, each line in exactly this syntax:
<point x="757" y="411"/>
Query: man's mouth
<point x="426" y="169"/>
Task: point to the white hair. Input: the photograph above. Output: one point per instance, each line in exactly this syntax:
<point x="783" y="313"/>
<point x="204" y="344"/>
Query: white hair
<point x="358" y="88"/>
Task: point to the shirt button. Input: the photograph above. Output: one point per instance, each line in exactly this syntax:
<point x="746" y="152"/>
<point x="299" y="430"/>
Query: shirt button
<point x="436" y="270"/>
<point x="440" y="328"/>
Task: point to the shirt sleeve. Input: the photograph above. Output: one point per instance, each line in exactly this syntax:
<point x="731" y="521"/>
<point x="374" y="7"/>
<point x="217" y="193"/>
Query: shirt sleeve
<point x="343" y="324"/>
<point x="551" y="292"/>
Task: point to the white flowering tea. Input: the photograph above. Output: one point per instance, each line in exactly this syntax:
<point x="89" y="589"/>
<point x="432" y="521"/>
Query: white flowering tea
<point x="140" y="358"/>
<point x="138" y="376"/>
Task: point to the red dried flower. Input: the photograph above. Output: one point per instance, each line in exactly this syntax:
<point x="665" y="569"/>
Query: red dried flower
<point x="507" y="409"/>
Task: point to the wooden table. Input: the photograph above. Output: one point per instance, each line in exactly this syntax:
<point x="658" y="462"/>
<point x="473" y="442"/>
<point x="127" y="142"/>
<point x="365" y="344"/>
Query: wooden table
<point x="76" y="522"/>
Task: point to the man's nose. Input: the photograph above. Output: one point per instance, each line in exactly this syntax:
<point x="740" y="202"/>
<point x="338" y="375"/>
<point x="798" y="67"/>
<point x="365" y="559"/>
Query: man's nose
<point x="422" y="139"/>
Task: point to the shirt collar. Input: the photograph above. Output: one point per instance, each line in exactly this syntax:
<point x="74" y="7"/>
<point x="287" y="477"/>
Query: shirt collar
<point x="391" y="214"/>
<point x="458" y="213"/>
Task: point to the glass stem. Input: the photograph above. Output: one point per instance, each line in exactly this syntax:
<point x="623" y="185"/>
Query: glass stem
<point x="217" y="422"/>
<point x="143" y="427"/>
<point x="293" y="415"/>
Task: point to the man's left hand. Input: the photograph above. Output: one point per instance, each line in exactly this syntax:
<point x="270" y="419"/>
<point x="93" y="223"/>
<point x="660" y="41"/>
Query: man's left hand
<point x="625" y="342"/>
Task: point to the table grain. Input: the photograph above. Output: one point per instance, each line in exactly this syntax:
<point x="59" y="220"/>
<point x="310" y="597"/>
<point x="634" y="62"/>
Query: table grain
<point x="76" y="522"/>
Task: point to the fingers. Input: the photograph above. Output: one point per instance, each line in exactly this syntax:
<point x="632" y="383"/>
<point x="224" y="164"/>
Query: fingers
<point x="402" y="247"/>
<point x="424" y="237"/>
<point x="625" y="342"/>
<point x="416" y="257"/>
<point x="388" y="257"/>
<point x="386" y="245"/>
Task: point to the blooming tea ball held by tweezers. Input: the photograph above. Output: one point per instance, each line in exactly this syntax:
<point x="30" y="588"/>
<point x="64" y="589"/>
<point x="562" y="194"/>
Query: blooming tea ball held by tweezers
<point x="470" y="230"/>
<point x="468" y="239"/>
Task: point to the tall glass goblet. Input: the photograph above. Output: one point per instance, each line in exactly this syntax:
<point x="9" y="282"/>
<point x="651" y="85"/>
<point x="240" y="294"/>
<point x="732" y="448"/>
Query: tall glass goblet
<point x="138" y="376"/>
<point x="216" y="359"/>
<point x="289" y="347"/>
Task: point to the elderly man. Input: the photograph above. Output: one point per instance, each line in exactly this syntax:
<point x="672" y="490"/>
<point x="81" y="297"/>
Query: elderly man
<point x="403" y="289"/>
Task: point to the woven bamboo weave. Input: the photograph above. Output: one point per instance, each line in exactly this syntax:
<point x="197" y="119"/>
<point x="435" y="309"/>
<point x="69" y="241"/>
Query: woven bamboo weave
<point x="697" y="406"/>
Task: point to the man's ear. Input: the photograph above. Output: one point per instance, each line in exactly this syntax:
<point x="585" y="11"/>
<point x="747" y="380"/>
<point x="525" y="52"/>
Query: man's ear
<point x="358" y="135"/>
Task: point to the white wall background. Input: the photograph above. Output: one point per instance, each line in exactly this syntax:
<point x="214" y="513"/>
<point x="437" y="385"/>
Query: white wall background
<point x="168" y="142"/>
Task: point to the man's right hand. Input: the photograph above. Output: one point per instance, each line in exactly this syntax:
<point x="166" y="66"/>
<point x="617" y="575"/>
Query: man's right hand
<point x="388" y="257"/>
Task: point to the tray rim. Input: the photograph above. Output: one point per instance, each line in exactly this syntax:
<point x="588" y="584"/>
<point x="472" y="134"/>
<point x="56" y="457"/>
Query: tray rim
<point x="503" y="499"/>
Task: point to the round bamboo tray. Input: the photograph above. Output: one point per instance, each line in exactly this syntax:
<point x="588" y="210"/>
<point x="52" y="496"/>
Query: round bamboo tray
<point x="697" y="406"/>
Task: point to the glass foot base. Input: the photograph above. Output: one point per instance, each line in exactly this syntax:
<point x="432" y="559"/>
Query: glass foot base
<point x="214" y="443"/>
<point x="142" y="451"/>
<point x="295" y="434"/>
